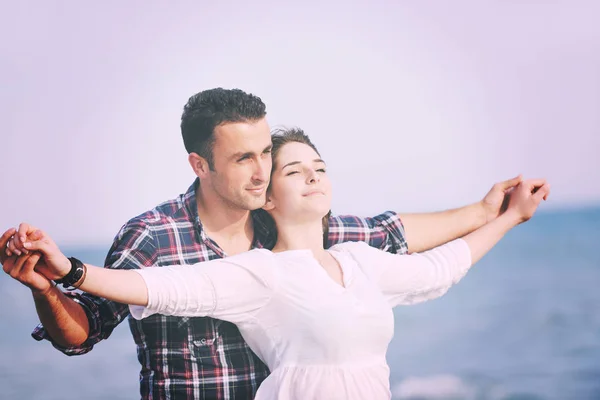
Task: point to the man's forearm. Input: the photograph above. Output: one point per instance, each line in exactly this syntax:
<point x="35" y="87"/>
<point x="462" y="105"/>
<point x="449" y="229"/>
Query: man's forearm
<point x="64" y="319"/>
<point x="425" y="231"/>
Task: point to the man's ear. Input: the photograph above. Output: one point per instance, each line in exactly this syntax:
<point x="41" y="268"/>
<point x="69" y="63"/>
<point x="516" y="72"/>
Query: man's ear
<point x="199" y="165"/>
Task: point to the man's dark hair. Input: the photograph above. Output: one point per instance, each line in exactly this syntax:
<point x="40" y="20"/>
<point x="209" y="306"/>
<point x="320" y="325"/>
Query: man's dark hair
<point x="208" y="109"/>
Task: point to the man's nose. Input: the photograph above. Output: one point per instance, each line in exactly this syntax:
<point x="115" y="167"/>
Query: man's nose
<point x="262" y="171"/>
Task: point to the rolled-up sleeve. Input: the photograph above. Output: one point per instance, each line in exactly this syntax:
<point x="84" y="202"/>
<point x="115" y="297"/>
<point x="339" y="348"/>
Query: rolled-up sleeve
<point x="133" y="248"/>
<point x="384" y="231"/>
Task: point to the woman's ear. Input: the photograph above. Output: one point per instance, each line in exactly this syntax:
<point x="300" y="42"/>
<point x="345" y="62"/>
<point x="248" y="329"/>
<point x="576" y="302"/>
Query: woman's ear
<point x="269" y="205"/>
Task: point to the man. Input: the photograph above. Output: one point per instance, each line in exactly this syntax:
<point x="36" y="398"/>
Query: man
<point x="228" y="140"/>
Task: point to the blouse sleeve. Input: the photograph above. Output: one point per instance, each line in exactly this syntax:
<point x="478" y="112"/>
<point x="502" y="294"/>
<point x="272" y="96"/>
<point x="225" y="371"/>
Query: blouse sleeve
<point x="417" y="277"/>
<point x="232" y="289"/>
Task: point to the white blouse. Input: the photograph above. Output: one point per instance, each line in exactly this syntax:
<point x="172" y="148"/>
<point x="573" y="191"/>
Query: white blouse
<point x="320" y="340"/>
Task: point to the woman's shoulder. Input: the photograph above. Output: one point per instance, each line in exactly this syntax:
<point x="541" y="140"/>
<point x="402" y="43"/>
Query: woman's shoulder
<point x="361" y="252"/>
<point x="351" y="247"/>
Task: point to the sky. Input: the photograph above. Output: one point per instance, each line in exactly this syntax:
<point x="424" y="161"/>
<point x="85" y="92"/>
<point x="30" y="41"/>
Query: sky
<point x="415" y="106"/>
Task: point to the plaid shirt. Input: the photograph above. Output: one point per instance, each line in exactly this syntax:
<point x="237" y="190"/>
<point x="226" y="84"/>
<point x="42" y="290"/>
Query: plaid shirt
<point x="198" y="358"/>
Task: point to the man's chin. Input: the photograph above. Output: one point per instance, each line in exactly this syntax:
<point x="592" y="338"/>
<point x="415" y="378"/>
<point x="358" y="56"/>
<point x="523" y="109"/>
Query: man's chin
<point x="256" y="203"/>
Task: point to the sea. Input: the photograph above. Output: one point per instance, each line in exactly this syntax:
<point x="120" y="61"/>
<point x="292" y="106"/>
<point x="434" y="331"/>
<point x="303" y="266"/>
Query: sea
<point x="524" y="324"/>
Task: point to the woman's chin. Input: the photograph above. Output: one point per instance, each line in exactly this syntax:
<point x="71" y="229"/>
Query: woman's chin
<point x="322" y="210"/>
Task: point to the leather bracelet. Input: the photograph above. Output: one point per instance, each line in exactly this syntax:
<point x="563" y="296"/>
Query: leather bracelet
<point x="77" y="284"/>
<point x="75" y="274"/>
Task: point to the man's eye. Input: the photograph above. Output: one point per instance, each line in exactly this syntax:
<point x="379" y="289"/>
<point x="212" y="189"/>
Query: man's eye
<point x="321" y="170"/>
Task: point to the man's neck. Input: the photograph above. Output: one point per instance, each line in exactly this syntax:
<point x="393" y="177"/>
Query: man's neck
<point x="231" y="228"/>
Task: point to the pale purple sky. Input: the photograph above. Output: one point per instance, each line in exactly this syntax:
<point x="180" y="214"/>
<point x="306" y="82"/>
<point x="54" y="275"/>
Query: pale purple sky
<point x="416" y="106"/>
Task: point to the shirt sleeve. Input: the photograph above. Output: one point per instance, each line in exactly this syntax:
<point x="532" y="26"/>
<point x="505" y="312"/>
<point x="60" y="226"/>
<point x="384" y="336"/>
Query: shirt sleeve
<point x="232" y="289"/>
<point x="384" y="231"/>
<point x="414" y="278"/>
<point x="133" y="248"/>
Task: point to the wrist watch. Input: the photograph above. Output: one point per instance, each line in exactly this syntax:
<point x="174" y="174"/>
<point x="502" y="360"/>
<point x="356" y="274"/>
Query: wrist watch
<point x="75" y="274"/>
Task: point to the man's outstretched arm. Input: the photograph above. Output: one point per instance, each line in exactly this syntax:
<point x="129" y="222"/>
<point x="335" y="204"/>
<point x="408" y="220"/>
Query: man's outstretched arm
<point x="64" y="319"/>
<point x="77" y="321"/>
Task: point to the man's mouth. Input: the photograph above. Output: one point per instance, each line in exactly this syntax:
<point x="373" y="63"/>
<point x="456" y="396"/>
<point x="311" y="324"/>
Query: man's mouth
<point x="258" y="190"/>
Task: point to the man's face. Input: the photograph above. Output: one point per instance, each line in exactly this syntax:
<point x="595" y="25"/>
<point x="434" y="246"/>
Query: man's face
<point x="242" y="163"/>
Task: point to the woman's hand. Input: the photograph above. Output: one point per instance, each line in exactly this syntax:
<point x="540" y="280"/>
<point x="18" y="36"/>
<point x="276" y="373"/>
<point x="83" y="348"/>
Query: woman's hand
<point x="526" y="197"/>
<point x="53" y="264"/>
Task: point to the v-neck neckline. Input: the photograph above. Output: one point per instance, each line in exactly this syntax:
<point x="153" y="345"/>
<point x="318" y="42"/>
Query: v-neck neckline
<point x="346" y="274"/>
<point x="345" y="280"/>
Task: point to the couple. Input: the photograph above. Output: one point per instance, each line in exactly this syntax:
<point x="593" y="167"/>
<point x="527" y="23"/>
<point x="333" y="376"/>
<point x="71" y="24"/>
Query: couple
<point x="293" y="307"/>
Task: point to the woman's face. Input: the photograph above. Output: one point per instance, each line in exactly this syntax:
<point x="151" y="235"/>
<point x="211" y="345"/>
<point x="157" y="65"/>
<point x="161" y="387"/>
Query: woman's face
<point x="300" y="189"/>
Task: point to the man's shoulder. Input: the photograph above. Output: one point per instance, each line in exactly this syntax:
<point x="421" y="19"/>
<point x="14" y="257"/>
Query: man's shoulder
<point x="354" y="221"/>
<point x="173" y="211"/>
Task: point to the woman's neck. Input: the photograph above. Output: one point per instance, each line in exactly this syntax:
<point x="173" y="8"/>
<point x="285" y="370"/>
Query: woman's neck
<point x="300" y="236"/>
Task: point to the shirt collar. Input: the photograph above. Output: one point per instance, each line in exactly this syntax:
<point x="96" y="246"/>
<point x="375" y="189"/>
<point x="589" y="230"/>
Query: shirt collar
<point x="265" y="232"/>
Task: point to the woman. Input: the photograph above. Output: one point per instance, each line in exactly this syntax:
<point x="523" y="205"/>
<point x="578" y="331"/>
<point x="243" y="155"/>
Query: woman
<point x="320" y="319"/>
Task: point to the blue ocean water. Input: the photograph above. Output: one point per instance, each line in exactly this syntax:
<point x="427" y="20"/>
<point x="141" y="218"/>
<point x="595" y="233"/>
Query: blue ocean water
<point x="523" y="325"/>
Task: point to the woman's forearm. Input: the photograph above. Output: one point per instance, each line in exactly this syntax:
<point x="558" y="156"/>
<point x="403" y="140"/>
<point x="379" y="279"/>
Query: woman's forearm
<point x="483" y="239"/>
<point x="122" y="286"/>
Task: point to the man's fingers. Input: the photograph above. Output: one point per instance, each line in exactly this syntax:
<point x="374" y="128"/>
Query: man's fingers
<point x="31" y="262"/>
<point x="4" y="250"/>
<point x="15" y="271"/>
<point x="6" y="237"/>
<point x="8" y="264"/>
<point x="511" y="182"/>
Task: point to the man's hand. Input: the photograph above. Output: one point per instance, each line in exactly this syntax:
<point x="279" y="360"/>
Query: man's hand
<point x="52" y="264"/>
<point x="494" y="203"/>
<point x="4" y="239"/>
<point x="22" y="268"/>
<point x="526" y="198"/>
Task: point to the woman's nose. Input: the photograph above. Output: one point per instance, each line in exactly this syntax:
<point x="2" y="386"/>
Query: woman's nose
<point x="313" y="177"/>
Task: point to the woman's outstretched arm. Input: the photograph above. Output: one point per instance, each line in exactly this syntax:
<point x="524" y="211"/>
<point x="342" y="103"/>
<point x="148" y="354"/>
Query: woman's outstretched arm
<point x="230" y="289"/>
<point x="122" y="286"/>
<point x="409" y="279"/>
